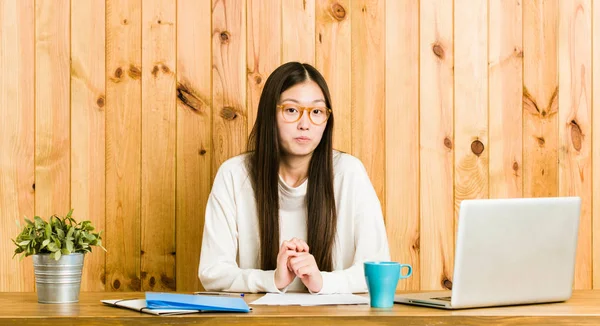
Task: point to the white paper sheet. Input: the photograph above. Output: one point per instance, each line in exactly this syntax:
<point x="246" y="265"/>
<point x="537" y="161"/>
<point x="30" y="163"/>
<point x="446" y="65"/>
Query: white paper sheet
<point x="307" y="299"/>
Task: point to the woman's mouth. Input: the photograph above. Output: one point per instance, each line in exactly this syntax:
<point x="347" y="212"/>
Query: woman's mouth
<point x="302" y="139"/>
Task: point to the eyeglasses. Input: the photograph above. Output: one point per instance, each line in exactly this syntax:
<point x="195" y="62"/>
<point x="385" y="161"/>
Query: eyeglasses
<point x="293" y="112"/>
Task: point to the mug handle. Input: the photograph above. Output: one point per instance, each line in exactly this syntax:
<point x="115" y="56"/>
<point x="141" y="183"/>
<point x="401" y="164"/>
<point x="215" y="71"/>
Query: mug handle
<point x="409" y="273"/>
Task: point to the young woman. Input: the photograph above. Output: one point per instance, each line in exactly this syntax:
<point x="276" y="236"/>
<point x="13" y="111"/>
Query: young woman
<point x="292" y="214"/>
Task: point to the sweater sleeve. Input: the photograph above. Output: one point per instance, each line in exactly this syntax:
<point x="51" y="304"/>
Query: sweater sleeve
<point x="370" y="238"/>
<point x="218" y="270"/>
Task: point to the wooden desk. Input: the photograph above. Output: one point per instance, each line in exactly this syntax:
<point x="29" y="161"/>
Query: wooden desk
<point x="23" y="309"/>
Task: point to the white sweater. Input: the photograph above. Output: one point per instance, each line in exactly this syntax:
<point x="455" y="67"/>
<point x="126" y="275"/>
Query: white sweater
<point x="230" y="244"/>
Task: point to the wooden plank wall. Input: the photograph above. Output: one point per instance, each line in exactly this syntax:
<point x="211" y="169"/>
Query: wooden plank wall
<point x="124" y="110"/>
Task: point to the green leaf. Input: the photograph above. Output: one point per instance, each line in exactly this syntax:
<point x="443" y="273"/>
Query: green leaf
<point x="52" y="247"/>
<point x="70" y="233"/>
<point x="56" y="254"/>
<point x="45" y="243"/>
<point x="39" y="223"/>
<point x="24" y="243"/>
<point x="48" y="230"/>
<point x="100" y="245"/>
<point x="69" y="246"/>
<point x="29" y="223"/>
<point x="60" y="233"/>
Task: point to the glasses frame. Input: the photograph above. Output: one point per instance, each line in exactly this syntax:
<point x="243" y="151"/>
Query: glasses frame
<point x="302" y="109"/>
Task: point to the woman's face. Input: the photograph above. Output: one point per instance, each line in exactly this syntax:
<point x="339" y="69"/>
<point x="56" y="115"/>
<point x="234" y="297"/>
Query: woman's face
<point x="301" y="137"/>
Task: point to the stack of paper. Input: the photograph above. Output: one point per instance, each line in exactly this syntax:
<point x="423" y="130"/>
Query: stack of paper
<point x="141" y="306"/>
<point x="307" y="299"/>
<point x="173" y="304"/>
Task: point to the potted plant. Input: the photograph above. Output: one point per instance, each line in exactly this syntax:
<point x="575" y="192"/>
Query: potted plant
<point x="58" y="247"/>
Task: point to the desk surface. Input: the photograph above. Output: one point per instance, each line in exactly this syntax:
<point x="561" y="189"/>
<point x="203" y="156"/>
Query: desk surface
<point x="23" y="309"/>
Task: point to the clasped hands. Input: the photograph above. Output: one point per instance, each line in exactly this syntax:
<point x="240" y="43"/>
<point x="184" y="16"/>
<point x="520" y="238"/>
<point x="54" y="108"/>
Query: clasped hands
<point x="294" y="260"/>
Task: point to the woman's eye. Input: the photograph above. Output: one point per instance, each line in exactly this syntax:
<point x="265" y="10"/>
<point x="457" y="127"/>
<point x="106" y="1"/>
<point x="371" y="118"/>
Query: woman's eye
<point x="317" y="112"/>
<point x="291" y="110"/>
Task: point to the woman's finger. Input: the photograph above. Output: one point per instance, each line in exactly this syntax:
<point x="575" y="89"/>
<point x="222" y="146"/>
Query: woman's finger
<point x="288" y="245"/>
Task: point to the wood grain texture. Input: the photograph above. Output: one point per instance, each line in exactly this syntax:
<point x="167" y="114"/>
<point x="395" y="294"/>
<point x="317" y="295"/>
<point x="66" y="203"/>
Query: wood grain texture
<point x="194" y="147"/>
<point x="402" y="136"/>
<point x="333" y="60"/>
<point x="540" y="98"/>
<point x="52" y="114"/>
<point x="368" y="91"/>
<point x="595" y="149"/>
<point x="123" y="144"/>
<point x="436" y="116"/>
<point x="471" y="158"/>
<point x="263" y="49"/>
<point x="230" y="116"/>
<point x="505" y="99"/>
<point x="159" y="122"/>
<point x="17" y="35"/>
<point x="298" y="30"/>
<point x="199" y="106"/>
<point x="88" y="128"/>
<point x="21" y="308"/>
<point x="575" y="123"/>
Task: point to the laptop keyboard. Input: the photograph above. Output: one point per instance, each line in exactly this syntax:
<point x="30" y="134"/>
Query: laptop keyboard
<point x="443" y="298"/>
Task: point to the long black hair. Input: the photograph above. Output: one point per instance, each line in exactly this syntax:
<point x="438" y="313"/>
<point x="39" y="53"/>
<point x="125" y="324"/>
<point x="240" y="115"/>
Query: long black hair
<point x="263" y="165"/>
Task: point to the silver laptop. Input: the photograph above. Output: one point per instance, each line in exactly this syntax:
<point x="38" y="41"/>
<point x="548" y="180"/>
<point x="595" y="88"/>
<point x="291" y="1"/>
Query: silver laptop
<point x="510" y="252"/>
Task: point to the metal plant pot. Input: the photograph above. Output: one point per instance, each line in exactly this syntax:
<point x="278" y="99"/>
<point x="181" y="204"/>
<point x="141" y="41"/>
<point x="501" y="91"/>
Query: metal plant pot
<point x="58" y="281"/>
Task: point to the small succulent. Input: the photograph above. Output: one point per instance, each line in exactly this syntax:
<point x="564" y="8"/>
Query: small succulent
<point x="60" y="236"/>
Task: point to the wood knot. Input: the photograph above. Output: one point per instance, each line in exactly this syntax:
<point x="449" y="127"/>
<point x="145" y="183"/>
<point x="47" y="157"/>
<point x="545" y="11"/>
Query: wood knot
<point x="119" y="73"/>
<point x="168" y="282"/>
<point x="438" y="50"/>
<point x="159" y="21"/>
<point x="165" y="69"/>
<point x="116" y="284"/>
<point x="544" y="113"/>
<point x="155" y="71"/>
<point x="338" y="11"/>
<point x="202" y="151"/>
<point x="258" y="80"/>
<point x="541" y="141"/>
<point x="134" y="72"/>
<point x="188" y="97"/>
<point x="228" y="113"/>
<point x="518" y="52"/>
<point x="100" y="101"/>
<point x="152" y="282"/>
<point x="477" y="147"/>
<point x="416" y="246"/>
<point x="576" y="135"/>
<point x="33" y="186"/>
<point x="224" y="37"/>
<point x="142" y="252"/>
<point x="446" y="283"/>
<point x="515" y="166"/>
<point x="125" y="22"/>
<point x="136" y="284"/>
<point x="364" y="9"/>
<point x="448" y="143"/>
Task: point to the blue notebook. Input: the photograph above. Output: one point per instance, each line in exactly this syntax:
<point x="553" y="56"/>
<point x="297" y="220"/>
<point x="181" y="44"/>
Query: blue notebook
<point x="157" y="300"/>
